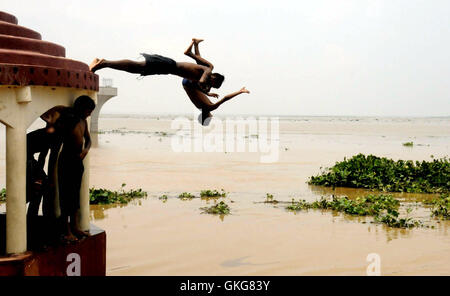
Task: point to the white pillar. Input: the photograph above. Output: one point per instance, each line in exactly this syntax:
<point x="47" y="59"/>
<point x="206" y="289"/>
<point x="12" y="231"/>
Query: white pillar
<point x="84" y="213"/>
<point x="16" y="216"/>
<point x="104" y="94"/>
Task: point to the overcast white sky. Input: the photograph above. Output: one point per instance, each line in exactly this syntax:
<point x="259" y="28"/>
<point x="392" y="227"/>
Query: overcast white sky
<point x="322" y="57"/>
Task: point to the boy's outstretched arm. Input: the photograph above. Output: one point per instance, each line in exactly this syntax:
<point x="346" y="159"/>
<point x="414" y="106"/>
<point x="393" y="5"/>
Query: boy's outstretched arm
<point x="228" y="97"/>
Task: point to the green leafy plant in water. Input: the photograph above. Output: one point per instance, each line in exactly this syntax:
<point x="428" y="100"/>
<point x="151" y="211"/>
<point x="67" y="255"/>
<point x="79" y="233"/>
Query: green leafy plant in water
<point x="441" y="206"/>
<point x="269" y="199"/>
<point x="299" y="205"/>
<point x="372" y="172"/>
<point x="163" y="198"/>
<point x="162" y="134"/>
<point x="105" y="196"/>
<point x="186" y="196"/>
<point x="213" y="193"/>
<point x="3" y="195"/>
<point x="392" y="219"/>
<point x="220" y="208"/>
<point x="369" y="205"/>
<point x="383" y="207"/>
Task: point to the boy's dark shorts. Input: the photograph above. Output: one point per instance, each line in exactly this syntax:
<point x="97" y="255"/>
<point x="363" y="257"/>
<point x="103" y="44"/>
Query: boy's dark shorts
<point x="70" y="173"/>
<point x="158" y="65"/>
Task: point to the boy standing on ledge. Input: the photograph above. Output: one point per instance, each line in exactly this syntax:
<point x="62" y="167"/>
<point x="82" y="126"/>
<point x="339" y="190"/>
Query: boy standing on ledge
<point x="76" y="145"/>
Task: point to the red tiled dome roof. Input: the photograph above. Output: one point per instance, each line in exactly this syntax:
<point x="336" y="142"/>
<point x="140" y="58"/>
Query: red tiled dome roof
<point x="25" y="59"/>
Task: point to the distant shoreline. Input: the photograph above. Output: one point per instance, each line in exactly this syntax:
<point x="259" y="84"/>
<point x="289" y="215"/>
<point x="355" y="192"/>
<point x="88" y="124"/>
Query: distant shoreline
<point x="281" y="117"/>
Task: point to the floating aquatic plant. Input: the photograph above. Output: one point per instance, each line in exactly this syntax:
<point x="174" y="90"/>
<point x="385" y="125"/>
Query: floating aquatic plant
<point x="392" y="219"/>
<point x="220" y="208"/>
<point x="383" y="207"/>
<point x="270" y="199"/>
<point x="105" y="196"/>
<point x="440" y="206"/>
<point x="3" y="195"/>
<point x="186" y="196"/>
<point x="372" y="172"/>
<point x="213" y="193"/>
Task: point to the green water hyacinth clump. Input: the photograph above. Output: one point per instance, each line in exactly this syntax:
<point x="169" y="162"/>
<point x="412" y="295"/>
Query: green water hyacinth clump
<point x="105" y="196"/>
<point x="372" y="172"/>
<point x="213" y="193"/>
<point x="186" y="196"/>
<point x="392" y="219"/>
<point x="270" y="199"/>
<point x="220" y="208"/>
<point x="370" y="205"/>
<point x="3" y="195"/>
<point x="441" y="206"/>
<point x="384" y="208"/>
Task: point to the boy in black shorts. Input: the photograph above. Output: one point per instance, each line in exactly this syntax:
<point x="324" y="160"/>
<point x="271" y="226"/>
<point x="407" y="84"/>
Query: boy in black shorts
<point x="76" y="144"/>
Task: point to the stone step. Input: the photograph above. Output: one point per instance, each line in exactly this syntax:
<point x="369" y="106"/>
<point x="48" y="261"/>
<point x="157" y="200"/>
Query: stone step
<point x="34" y="45"/>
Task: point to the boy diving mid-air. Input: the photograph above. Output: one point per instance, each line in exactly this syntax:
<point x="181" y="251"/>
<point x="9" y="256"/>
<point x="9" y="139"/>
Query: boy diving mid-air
<point x="197" y="82"/>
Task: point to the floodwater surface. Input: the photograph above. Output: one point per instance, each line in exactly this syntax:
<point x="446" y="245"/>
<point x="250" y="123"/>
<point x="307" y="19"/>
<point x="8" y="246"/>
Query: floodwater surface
<point x="153" y="237"/>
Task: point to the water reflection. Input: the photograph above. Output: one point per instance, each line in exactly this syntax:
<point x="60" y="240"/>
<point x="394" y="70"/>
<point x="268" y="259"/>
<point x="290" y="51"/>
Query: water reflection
<point x="99" y="212"/>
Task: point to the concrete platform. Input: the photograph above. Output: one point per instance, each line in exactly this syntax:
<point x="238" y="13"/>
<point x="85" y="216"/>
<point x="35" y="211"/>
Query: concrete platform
<point x="47" y="256"/>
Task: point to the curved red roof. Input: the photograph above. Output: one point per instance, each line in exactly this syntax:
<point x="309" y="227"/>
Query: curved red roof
<point x="25" y="59"/>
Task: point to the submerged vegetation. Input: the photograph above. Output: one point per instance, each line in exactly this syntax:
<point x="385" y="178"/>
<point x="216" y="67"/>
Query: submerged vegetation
<point x="384" y="208"/>
<point x="105" y="196"/>
<point x="220" y="208"/>
<point x="372" y="172"/>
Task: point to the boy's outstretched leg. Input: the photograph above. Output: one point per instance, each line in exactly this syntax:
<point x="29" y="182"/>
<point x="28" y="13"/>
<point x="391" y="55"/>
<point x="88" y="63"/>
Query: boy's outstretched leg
<point x="200" y="60"/>
<point x="122" y="65"/>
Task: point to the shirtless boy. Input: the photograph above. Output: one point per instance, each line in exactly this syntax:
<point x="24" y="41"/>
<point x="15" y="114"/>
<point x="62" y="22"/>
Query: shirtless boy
<point x="197" y="82"/>
<point x="197" y="94"/>
<point x="158" y="65"/>
<point x="76" y="144"/>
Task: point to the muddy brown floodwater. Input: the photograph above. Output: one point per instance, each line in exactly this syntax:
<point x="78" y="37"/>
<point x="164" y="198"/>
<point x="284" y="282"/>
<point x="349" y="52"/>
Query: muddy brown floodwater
<point x="152" y="237"/>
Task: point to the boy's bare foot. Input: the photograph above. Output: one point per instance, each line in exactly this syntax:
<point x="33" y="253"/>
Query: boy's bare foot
<point x="70" y="238"/>
<point x="244" y="90"/>
<point x="95" y="64"/>
<point x="79" y="233"/>
<point x="197" y="41"/>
